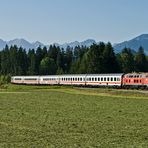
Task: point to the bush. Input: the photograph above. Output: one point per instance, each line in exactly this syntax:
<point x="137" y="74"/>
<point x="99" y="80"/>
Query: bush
<point x="5" y="79"/>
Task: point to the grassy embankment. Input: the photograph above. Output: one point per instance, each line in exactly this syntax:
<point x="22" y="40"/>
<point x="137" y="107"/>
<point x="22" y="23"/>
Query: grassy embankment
<point x="53" y="116"/>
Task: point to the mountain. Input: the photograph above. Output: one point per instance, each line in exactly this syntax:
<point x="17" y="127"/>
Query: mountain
<point x="86" y="43"/>
<point x="2" y="44"/>
<point x="134" y="44"/>
<point x="27" y="45"/>
<point x="20" y="43"/>
<point x="37" y="44"/>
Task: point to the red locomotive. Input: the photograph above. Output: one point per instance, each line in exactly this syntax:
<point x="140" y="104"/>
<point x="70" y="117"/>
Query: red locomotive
<point x="135" y="80"/>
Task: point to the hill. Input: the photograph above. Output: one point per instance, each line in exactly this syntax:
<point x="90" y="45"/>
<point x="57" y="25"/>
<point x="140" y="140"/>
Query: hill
<point x="134" y="44"/>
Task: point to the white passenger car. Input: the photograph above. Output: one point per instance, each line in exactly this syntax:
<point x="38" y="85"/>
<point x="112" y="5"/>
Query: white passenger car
<point x="25" y="79"/>
<point x="73" y="79"/>
<point x="49" y="80"/>
<point x="104" y="79"/>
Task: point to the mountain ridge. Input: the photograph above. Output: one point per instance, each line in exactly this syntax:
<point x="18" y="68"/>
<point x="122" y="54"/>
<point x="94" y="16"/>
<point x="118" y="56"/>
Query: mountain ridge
<point x="134" y="44"/>
<point x="20" y="42"/>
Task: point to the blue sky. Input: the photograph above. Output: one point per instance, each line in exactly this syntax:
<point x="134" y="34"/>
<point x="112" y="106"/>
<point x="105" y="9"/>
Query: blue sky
<point x="63" y="21"/>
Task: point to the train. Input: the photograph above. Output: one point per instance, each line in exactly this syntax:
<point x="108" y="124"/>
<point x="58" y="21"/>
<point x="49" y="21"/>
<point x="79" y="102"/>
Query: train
<point x="114" y="80"/>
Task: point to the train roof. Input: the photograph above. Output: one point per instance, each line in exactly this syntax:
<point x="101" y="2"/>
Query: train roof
<point x="92" y="75"/>
<point x="113" y="74"/>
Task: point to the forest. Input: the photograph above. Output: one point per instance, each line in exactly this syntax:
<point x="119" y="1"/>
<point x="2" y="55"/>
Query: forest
<point x="98" y="58"/>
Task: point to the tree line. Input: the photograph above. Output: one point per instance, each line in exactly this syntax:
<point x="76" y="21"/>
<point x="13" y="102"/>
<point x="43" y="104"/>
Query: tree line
<point x="98" y="58"/>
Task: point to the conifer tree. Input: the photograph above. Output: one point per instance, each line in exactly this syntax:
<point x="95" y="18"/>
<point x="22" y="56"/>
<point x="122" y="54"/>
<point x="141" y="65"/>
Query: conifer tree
<point x="141" y="61"/>
<point x="110" y="62"/>
<point x="31" y="62"/>
<point x="127" y="61"/>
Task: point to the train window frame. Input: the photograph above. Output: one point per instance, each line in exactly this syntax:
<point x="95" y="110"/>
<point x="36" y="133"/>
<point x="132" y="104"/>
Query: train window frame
<point x="17" y="79"/>
<point x="104" y="79"/>
<point x="31" y="79"/>
<point x="98" y="79"/>
<point x="45" y="79"/>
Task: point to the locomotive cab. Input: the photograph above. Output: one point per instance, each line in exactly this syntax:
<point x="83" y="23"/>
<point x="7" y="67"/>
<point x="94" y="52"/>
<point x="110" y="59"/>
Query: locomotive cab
<point x="135" y="79"/>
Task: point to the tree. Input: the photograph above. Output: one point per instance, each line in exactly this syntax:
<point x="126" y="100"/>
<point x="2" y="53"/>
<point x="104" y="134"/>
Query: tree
<point x="5" y="61"/>
<point x="141" y="61"/>
<point x="44" y="52"/>
<point x="82" y="65"/>
<point x="68" y="59"/>
<point x="31" y="62"/>
<point x="39" y="56"/>
<point x="109" y="60"/>
<point x="22" y="61"/>
<point x="59" y="63"/>
<point x="94" y="59"/>
<point x="127" y="60"/>
<point x="53" y="52"/>
<point x="47" y="66"/>
<point x="14" y="65"/>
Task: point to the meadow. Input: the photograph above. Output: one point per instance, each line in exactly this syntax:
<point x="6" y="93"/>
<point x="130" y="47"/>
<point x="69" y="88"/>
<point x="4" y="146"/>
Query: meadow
<point x="57" y="116"/>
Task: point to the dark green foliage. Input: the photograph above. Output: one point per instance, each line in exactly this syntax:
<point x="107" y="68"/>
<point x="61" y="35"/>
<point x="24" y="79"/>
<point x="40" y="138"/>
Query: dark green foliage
<point x="109" y="60"/>
<point x="47" y="66"/>
<point x="22" y="61"/>
<point x="39" y="56"/>
<point x="31" y="62"/>
<point x="5" y="61"/>
<point x="68" y="59"/>
<point x="53" y="52"/>
<point x="141" y="61"/>
<point x="5" y="79"/>
<point x="99" y="58"/>
<point x="127" y="61"/>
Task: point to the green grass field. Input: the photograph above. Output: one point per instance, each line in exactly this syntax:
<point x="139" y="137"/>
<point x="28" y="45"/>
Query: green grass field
<point x="54" y="116"/>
